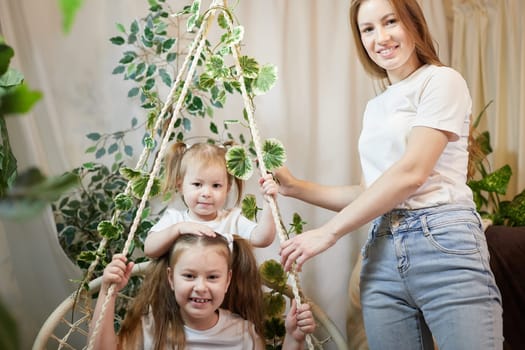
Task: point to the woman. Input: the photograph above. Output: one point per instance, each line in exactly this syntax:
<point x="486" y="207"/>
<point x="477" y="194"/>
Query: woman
<point x="425" y="264"/>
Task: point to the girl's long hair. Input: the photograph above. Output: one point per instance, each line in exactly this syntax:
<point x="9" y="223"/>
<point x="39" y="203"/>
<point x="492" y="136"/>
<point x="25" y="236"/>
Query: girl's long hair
<point x="244" y="296"/>
<point x="202" y="154"/>
<point x="411" y="17"/>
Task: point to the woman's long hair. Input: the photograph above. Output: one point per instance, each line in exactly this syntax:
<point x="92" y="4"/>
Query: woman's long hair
<point x="411" y="17"/>
<point x="244" y="295"/>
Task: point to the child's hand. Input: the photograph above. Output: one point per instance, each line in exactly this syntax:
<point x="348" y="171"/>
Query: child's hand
<point x="299" y="321"/>
<point x="117" y="272"/>
<point x="194" y="228"/>
<point x="268" y="185"/>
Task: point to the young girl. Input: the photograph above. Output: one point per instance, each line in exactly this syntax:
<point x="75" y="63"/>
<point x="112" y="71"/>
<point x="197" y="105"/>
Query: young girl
<point x="425" y="268"/>
<point x="199" y="174"/>
<point x="204" y="294"/>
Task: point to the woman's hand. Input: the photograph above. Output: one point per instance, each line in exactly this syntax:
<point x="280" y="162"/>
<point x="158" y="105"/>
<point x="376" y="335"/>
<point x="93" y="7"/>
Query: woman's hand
<point x="304" y="246"/>
<point x="285" y="179"/>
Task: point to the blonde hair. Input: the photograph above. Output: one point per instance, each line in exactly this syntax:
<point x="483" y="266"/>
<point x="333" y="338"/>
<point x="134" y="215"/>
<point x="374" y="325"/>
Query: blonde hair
<point x="412" y="19"/>
<point x="181" y="157"/>
<point x="244" y="296"/>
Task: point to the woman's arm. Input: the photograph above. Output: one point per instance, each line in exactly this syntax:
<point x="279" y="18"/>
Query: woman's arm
<point x="329" y="197"/>
<point x="117" y="272"/>
<point x="424" y="147"/>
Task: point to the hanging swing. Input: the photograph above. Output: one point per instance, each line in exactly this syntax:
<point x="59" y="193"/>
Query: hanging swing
<point x="67" y="326"/>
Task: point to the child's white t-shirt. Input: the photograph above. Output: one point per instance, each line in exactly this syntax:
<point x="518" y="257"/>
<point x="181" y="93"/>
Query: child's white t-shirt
<point x="229" y="221"/>
<point x="231" y="332"/>
<point x="434" y="97"/>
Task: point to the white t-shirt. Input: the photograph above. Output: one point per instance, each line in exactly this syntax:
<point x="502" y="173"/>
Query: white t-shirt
<point x="434" y="97"/>
<point x="231" y="332"/>
<point x="230" y="221"/>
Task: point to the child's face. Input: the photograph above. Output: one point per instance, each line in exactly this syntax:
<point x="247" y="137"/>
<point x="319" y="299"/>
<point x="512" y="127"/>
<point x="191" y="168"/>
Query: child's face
<point x="205" y="190"/>
<point x="200" y="279"/>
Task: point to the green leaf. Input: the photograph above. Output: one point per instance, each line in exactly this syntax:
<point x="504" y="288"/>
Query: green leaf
<point x="101" y="152"/>
<point x="233" y="37"/>
<point x="129" y="173"/>
<point x="215" y="67"/>
<point x="274" y="304"/>
<point x="168" y="44"/>
<point x="238" y="163"/>
<point x="297" y="224"/>
<point x="117" y="40"/>
<point x="109" y="230"/>
<point x="221" y="20"/>
<point x="134" y="28"/>
<point x="266" y="79"/>
<point x="113" y="148"/>
<point x="138" y="186"/>
<point x="206" y="81"/>
<point x="123" y="202"/>
<point x="497" y="181"/>
<point x="249" y="66"/>
<point x="69" y="9"/>
<point x="249" y="207"/>
<point x="93" y="136"/>
<point x="119" y="70"/>
<point x="11" y="77"/>
<point x="273" y="272"/>
<point x="6" y="53"/>
<point x="515" y="210"/>
<point x="133" y="92"/>
<point x="128" y="150"/>
<point x="274" y="154"/>
<point x="18" y="100"/>
<point x="121" y="28"/>
<point x="164" y="75"/>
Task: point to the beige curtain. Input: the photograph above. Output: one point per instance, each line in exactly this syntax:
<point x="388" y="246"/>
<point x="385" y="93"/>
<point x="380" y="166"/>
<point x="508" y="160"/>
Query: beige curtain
<point x="315" y="110"/>
<point x="488" y="49"/>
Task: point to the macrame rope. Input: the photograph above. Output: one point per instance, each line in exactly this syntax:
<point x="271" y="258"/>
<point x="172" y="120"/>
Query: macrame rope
<point x="294" y="277"/>
<point x="201" y="33"/>
<point x="217" y="5"/>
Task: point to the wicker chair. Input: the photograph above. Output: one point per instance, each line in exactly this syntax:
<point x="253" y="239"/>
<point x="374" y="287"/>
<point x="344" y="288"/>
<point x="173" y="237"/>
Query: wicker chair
<point x="65" y="329"/>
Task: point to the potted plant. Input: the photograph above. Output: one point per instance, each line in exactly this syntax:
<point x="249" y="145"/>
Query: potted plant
<point x="488" y="185"/>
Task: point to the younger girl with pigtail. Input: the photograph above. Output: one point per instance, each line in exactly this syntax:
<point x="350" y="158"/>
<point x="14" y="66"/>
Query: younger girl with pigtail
<point x="205" y="293"/>
<point x="199" y="174"/>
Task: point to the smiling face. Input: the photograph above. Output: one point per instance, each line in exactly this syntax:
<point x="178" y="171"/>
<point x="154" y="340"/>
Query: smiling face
<point x="385" y="39"/>
<point x="199" y="278"/>
<point x="205" y="190"/>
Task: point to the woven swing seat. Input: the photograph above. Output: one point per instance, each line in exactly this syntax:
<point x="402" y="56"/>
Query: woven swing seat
<point x="67" y="326"/>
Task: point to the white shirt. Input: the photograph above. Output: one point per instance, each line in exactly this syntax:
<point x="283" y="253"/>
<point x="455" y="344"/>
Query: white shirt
<point x="228" y="222"/>
<point x="434" y="97"/>
<point x="231" y="332"/>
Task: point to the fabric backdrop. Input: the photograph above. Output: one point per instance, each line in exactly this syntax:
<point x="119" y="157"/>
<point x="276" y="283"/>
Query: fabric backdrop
<point x="314" y="109"/>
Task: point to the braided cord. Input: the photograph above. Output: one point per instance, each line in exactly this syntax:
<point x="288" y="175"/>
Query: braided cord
<point x="201" y="39"/>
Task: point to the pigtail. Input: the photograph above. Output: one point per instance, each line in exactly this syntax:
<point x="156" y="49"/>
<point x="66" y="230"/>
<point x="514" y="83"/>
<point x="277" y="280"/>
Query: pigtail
<point x="245" y="296"/>
<point x="156" y="297"/>
<point x="172" y="166"/>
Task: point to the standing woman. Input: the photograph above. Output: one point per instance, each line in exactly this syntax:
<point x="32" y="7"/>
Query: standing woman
<point x="425" y="264"/>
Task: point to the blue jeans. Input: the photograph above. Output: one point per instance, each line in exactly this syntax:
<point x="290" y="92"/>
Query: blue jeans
<point x="426" y="273"/>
